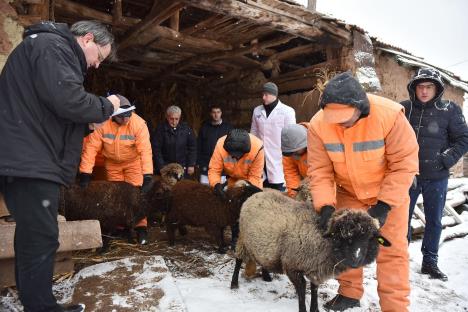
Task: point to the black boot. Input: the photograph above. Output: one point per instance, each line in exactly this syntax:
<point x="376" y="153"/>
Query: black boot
<point x="73" y="308"/>
<point x="433" y="270"/>
<point x="341" y="303"/>
<point x="142" y="235"/>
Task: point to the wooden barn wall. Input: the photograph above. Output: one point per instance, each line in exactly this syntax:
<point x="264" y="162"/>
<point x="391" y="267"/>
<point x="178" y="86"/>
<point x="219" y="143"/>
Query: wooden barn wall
<point x="10" y="31"/>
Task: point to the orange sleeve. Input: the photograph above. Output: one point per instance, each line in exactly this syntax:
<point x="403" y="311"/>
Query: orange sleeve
<point x="401" y="152"/>
<point x="320" y="172"/>
<point x="256" y="169"/>
<point x="90" y="149"/>
<point x="215" y="168"/>
<point x="291" y="175"/>
<point x="143" y="147"/>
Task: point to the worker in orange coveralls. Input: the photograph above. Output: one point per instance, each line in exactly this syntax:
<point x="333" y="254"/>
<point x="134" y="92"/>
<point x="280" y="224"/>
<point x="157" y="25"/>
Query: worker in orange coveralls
<point x="125" y="145"/>
<point x="363" y="154"/>
<point x="240" y="156"/>
<point x="294" y="149"/>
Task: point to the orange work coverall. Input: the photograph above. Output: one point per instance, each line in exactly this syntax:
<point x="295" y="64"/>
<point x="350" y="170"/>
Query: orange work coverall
<point x="126" y="150"/>
<point x="249" y="167"/>
<point x="375" y="159"/>
<point x="295" y="169"/>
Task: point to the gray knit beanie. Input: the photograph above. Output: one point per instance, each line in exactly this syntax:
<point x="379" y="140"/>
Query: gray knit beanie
<point x="293" y="138"/>
<point x="270" y="88"/>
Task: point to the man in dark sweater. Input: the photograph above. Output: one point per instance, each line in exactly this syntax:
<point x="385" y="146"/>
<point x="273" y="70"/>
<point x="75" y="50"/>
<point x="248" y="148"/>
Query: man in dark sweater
<point x="442" y="135"/>
<point x="209" y="133"/>
<point x="45" y="114"/>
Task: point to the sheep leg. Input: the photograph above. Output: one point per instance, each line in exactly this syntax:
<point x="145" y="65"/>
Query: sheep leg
<point x="235" y="275"/>
<point x="170" y="231"/>
<point x="313" y="297"/>
<point x="218" y="234"/>
<point x="266" y="275"/>
<point x="297" y="278"/>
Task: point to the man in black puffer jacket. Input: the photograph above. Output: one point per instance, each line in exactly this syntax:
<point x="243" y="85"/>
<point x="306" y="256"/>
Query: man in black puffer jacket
<point x="45" y="114"/>
<point x="209" y="133"/>
<point x="442" y="135"/>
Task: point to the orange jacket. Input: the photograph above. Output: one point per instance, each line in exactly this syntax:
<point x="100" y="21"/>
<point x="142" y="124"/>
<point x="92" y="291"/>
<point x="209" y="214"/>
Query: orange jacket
<point x="295" y="169"/>
<point x="119" y="144"/>
<point x="249" y="167"/>
<point x="99" y="161"/>
<point x="375" y="159"/>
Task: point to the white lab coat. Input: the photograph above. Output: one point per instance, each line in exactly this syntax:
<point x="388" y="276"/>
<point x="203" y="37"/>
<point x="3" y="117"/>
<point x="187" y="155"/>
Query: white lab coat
<point x="269" y="131"/>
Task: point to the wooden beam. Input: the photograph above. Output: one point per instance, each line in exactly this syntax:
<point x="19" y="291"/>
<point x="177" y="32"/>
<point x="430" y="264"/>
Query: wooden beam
<point x="81" y="11"/>
<point x="155" y="32"/>
<point x="117" y="12"/>
<point x="293" y="52"/>
<point x="201" y="26"/>
<point x="260" y="16"/>
<point x="160" y="12"/>
<point x="174" y="22"/>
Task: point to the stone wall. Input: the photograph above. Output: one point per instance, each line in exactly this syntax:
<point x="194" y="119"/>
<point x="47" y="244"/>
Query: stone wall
<point x="10" y="31"/>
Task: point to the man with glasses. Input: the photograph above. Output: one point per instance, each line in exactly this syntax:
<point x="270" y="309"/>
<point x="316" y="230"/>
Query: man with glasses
<point x="45" y="113"/>
<point x="442" y="136"/>
<point x="124" y="142"/>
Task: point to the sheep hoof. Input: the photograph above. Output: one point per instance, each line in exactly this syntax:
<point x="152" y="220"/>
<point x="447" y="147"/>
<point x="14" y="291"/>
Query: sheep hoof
<point x="266" y="276"/>
<point x="182" y="230"/>
<point x="234" y="285"/>
<point x="222" y="250"/>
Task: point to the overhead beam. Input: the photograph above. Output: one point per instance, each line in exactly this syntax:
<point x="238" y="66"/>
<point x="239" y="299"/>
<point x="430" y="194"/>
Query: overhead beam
<point x="82" y="11"/>
<point x="293" y="52"/>
<point x="161" y="11"/>
<point x="258" y="15"/>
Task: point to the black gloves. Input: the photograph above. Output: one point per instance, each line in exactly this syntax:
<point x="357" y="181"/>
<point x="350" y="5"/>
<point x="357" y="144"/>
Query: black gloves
<point x="218" y="191"/>
<point x="379" y="211"/>
<point x="147" y="179"/>
<point x="85" y="178"/>
<point x="325" y="214"/>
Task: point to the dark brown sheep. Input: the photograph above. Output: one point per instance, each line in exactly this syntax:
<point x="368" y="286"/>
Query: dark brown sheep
<point x="116" y="203"/>
<point x="195" y="204"/>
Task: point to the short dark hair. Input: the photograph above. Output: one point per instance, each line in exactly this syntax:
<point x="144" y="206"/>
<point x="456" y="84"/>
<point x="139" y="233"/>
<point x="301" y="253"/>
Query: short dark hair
<point x="214" y="106"/>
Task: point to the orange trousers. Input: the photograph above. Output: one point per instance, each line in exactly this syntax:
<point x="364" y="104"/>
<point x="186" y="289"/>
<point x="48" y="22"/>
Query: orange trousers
<point x="392" y="262"/>
<point x="129" y="172"/>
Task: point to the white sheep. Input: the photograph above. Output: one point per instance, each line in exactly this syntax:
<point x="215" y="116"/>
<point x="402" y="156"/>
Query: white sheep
<point x="282" y="235"/>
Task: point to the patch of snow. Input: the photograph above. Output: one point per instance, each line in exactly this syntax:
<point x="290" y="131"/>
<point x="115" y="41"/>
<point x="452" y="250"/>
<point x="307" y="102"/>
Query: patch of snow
<point x="368" y="78"/>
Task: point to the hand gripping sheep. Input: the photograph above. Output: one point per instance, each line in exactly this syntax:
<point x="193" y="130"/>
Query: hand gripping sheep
<point x="282" y="235"/>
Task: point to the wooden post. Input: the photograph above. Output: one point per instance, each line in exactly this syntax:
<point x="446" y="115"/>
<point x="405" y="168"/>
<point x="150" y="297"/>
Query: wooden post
<point x="312" y="5"/>
<point x="175" y="21"/>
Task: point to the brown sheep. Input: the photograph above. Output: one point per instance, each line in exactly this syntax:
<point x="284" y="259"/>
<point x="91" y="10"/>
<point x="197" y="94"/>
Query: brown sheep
<point x="116" y="203"/>
<point x="195" y="204"/>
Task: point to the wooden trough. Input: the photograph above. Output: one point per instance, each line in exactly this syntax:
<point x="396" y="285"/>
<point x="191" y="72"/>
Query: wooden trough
<point x="73" y="235"/>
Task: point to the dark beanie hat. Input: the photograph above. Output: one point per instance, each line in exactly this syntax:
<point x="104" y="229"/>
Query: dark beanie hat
<point x="237" y="142"/>
<point x="124" y="103"/>
<point x="270" y="88"/>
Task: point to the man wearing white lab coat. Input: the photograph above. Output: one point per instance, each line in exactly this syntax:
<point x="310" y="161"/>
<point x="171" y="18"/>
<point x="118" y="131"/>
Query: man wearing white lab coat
<point x="267" y="121"/>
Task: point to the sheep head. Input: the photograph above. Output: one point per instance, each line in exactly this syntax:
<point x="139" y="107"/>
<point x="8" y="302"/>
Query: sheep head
<point x="238" y="194"/>
<point x="355" y="237"/>
<point x="171" y="174"/>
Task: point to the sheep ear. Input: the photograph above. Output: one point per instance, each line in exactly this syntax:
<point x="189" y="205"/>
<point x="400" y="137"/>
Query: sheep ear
<point x="383" y="241"/>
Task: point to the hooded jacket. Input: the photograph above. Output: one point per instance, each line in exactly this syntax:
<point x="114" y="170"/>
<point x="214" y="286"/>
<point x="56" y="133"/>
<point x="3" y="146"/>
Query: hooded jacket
<point x="439" y="125"/>
<point x="45" y="109"/>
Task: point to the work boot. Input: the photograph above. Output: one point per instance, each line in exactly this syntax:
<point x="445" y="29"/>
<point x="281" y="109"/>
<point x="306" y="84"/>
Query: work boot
<point x="142" y="235"/>
<point x="341" y="303"/>
<point x="73" y="308"/>
<point x="433" y="270"/>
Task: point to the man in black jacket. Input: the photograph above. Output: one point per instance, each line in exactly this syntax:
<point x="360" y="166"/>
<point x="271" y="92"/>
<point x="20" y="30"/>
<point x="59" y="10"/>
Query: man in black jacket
<point x="45" y="113"/>
<point x="209" y="133"/>
<point x="174" y="142"/>
<point x="442" y="135"/>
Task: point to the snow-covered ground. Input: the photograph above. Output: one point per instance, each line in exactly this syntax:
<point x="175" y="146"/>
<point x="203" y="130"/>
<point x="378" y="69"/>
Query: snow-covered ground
<point x="212" y="293"/>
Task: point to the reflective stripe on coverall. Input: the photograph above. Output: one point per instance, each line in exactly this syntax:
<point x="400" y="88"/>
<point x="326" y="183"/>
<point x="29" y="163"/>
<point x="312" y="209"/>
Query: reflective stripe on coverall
<point x="249" y="167"/>
<point x="126" y="150"/>
<point x="375" y="159"/>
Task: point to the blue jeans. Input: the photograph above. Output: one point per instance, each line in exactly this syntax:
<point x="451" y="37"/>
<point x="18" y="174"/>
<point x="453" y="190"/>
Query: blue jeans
<point x="434" y="193"/>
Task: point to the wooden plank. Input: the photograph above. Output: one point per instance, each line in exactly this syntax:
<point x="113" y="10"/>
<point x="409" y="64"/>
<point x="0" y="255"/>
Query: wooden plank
<point x="73" y="235"/>
<point x="296" y="51"/>
<point x="160" y="12"/>
<point x="3" y="207"/>
<point x="175" y="21"/>
<point x="63" y="264"/>
<point x="258" y="15"/>
<point x="81" y="11"/>
<point x="117" y="12"/>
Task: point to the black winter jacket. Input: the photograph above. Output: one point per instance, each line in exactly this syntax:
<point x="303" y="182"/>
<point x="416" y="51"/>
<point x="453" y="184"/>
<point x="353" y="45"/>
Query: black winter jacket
<point x="173" y="145"/>
<point x="44" y="108"/>
<point x="207" y="138"/>
<point x="440" y="128"/>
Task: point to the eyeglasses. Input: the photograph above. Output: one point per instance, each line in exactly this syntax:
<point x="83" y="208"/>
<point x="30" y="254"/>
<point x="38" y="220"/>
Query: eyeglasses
<point x="101" y="57"/>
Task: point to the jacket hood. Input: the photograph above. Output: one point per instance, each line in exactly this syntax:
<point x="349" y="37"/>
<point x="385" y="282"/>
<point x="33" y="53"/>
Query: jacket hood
<point x="426" y="74"/>
<point x="62" y="30"/>
<point x="345" y="89"/>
